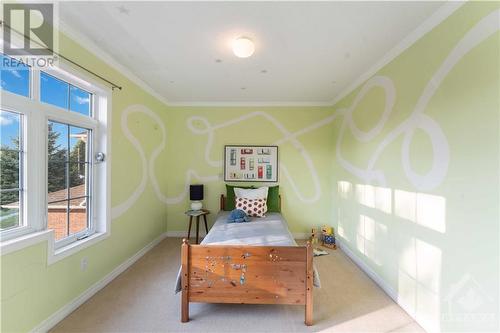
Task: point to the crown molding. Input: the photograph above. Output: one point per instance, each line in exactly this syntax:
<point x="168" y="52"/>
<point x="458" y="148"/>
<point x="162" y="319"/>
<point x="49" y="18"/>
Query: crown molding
<point x="249" y="104"/>
<point x="88" y="44"/>
<point x="430" y="23"/>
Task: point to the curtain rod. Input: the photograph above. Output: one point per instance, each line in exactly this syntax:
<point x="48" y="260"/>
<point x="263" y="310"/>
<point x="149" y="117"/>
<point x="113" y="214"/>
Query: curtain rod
<point x="113" y="85"/>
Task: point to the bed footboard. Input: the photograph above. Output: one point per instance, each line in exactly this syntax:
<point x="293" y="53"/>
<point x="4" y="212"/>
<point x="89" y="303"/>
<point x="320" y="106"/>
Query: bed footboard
<point x="247" y="275"/>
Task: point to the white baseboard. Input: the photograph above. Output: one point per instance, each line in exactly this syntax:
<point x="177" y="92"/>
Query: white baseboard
<point x="368" y="270"/>
<point x="427" y="326"/>
<point x="60" y="314"/>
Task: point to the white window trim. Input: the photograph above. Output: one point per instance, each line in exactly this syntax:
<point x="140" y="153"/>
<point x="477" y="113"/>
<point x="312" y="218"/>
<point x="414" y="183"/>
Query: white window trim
<point x="35" y="126"/>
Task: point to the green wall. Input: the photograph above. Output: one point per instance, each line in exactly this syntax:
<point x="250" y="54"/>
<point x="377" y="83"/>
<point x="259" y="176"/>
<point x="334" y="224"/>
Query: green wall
<point x="417" y="198"/>
<point x="395" y="172"/>
<point x="195" y="143"/>
<point x="157" y="151"/>
<point x="31" y="290"/>
<point x="185" y="146"/>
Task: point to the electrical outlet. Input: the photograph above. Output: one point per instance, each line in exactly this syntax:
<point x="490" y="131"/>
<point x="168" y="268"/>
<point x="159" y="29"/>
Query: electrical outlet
<point x="83" y="264"/>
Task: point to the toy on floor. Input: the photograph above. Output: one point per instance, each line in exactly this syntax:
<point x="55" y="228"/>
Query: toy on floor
<point x="319" y="252"/>
<point x="238" y="216"/>
<point x="328" y="237"/>
<point x="314" y="237"/>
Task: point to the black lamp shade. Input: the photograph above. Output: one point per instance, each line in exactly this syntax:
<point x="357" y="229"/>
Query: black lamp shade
<point x="195" y="192"/>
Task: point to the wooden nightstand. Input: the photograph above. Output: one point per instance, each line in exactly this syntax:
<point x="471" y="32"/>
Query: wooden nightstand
<point x="197" y="214"/>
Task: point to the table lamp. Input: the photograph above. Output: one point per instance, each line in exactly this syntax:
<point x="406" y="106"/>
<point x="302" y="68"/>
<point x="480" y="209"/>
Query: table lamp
<point x="195" y="195"/>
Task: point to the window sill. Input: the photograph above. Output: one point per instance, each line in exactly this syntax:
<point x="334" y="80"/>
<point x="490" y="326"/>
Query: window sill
<point x="19" y="243"/>
<point x="70" y="249"/>
<point x="53" y="255"/>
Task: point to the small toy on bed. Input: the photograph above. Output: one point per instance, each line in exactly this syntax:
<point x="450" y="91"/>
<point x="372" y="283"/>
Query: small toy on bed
<point x="238" y="216"/>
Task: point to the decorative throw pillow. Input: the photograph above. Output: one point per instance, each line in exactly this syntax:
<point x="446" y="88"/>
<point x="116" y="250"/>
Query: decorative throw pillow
<point x="258" y="193"/>
<point x="253" y="207"/>
<point x="229" y="204"/>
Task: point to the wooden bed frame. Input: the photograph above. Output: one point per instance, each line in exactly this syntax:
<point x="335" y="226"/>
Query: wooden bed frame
<point x="247" y="275"/>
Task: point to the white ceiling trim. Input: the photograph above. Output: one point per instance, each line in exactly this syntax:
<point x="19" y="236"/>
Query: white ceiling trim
<point x="243" y="104"/>
<point x="104" y="56"/>
<point x="435" y="19"/>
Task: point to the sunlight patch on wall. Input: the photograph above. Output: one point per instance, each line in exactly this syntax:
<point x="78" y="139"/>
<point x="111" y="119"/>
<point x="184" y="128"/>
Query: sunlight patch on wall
<point x="340" y="227"/>
<point x="424" y="209"/>
<point x="419" y="280"/>
<point x="344" y="189"/>
<point x="369" y="231"/>
<point x="383" y="199"/>
<point x="375" y="197"/>
<point x="431" y="211"/>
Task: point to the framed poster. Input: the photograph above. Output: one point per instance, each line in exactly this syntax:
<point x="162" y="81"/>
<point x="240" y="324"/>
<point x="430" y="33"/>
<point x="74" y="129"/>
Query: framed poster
<point x="251" y="163"/>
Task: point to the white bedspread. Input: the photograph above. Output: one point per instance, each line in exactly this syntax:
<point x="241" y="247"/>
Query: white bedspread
<point x="271" y="230"/>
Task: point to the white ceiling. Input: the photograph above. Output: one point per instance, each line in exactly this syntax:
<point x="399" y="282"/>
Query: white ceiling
<point x="310" y="51"/>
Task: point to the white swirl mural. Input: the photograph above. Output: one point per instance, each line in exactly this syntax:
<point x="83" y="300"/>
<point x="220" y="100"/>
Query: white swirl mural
<point x="210" y="130"/>
<point x="368" y="173"/>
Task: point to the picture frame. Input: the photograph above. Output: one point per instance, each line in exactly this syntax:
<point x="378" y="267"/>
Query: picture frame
<point x="248" y="163"/>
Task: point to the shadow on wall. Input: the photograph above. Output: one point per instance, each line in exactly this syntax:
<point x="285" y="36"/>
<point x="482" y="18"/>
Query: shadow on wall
<point x="376" y="222"/>
<point x="404" y="237"/>
<point x="419" y="263"/>
<point x="413" y="263"/>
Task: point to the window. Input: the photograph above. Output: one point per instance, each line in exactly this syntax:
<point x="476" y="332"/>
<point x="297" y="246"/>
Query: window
<point x="79" y="100"/>
<point x="15" y="76"/>
<point x="54" y="91"/>
<point x="68" y="181"/>
<point x="52" y="122"/>
<point x="64" y="95"/>
<point x="68" y="161"/>
<point x="11" y="166"/>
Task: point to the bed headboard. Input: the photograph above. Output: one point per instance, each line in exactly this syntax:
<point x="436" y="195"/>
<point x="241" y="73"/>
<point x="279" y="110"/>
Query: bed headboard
<point x="223" y="201"/>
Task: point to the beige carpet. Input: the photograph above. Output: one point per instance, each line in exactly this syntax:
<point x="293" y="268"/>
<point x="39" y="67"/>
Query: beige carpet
<point x="142" y="300"/>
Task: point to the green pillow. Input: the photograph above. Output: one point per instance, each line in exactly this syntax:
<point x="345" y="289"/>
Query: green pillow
<point x="229" y="204"/>
<point x="273" y="199"/>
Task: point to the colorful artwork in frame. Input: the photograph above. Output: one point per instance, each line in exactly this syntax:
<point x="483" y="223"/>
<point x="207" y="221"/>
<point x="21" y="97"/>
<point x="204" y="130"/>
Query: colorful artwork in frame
<point x="251" y="163"/>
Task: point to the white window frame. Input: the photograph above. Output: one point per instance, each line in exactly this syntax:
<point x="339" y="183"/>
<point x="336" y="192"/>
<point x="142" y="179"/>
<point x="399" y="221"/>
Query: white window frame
<point x="36" y="115"/>
<point x="24" y="227"/>
<point x="66" y="117"/>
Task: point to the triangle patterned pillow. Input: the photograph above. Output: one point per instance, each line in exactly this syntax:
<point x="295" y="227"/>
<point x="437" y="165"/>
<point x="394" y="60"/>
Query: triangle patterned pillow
<point x="253" y="207"/>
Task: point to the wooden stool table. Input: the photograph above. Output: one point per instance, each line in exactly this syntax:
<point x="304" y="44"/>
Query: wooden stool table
<point x="197" y="214"/>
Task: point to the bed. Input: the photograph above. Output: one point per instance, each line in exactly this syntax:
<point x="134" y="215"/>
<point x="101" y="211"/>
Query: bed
<point x="256" y="262"/>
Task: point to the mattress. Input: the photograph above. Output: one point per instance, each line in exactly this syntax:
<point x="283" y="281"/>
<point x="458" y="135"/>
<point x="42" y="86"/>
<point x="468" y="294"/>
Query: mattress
<point x="271" y="230"/>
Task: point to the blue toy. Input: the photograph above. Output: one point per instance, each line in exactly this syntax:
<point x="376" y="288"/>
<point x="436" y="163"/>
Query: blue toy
<point x="238" y="216"/>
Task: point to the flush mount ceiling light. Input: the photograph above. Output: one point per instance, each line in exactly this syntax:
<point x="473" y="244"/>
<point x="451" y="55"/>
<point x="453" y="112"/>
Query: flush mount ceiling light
<point x="243" y="47"/>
